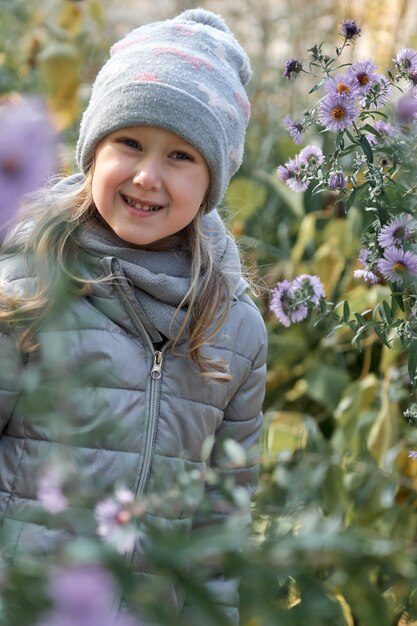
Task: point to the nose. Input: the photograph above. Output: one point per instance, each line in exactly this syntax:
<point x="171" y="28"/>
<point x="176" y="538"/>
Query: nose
<point x="148" y="174"/>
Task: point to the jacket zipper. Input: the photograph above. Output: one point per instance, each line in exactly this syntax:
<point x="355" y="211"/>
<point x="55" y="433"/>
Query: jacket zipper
<point x="155" y="387"/>
<point x="156" y="374"/>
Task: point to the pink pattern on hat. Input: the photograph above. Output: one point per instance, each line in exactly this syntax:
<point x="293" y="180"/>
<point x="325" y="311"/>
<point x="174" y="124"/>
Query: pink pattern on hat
<point x="182" y="29"/>
<point x="127" y="42"/>
<point x="243" y="103"/>
<point x="196" y="62"/>
<point x="147" y="76"/>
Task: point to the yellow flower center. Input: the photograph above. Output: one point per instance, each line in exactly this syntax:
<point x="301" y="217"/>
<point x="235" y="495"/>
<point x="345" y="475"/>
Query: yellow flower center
<point x="363" y="79"/>
<point x="338" y="113"/>
<point x="342" y="88"/>
<point x="400" y="268"/>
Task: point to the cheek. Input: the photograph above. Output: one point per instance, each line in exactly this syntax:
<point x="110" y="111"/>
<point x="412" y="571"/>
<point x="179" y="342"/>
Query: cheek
<point x="102" y="182"/>
<point x="96" y="191"/>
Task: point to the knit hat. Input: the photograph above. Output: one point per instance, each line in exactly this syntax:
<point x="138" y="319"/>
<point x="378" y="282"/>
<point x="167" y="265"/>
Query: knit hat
<point x="185" y="75"/>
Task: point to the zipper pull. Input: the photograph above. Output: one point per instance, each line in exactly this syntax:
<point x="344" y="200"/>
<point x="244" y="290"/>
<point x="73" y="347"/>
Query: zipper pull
<point x="157" y="365"/>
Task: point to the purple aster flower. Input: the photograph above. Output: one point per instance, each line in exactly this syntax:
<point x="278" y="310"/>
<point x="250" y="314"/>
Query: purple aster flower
<point x="309" y="288"/>
<point x="284" y="306"/>
<point x="337" y="112"/>
<point x="291" y="301"/>
<point x="283" y="173"/>
<point x="298" y="183"/>
<point x="406" y="59"/>
<point x="336" y="181"/>
<point x="412" y="455"/>
<point x="27" y="153"/>
<point x="406" y="109"/>
<point x="341" y="84"/>
<point x="311" y="156"/>
<point x="350" y="30"/>
<point x="364" y="75"/>
<point x="116" y="519"/>
<point x="295" y="129"/>
<point x="84" y="595"/>
<point x="293" y="175"/>
<point x="51" y="489"/>
<point x="292" y="66"/>
<point x="398" y="265"/>
<point x="365" y="273"/>
<point x="385" y="130"/>
<point x="397" y="232"/>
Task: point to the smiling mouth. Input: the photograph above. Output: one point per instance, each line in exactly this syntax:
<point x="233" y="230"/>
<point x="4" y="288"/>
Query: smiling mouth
<point x="139" y="206"/>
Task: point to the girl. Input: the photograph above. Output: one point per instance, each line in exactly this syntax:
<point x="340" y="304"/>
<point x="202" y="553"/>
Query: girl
<point x="122" y="285"/>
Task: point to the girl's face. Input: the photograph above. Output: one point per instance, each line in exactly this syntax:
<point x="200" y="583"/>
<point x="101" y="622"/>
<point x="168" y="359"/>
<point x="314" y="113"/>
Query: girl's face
<point x="148" y="183"/>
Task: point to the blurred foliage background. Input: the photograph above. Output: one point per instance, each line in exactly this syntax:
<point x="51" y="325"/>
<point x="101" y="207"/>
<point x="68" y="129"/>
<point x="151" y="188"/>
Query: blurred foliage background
<point x="335" y="513"/>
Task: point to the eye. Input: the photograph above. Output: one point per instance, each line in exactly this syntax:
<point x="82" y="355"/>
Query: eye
<point x="178" y="155"/>
<point x="130" y="143"/>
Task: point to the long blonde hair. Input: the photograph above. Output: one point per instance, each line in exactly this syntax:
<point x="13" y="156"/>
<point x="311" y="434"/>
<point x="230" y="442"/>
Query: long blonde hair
<point x="45" y="237"/>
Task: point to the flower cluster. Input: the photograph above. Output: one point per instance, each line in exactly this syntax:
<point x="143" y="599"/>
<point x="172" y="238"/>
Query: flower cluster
<point x="371" y="121"/>
<point x="298" y="172"/>
<point x="352" y="99"/>
<point x="348" y="108"/>
<point x="293" y="300"/>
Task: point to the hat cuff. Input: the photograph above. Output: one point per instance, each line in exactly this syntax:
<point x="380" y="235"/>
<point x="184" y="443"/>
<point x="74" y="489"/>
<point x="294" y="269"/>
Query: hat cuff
<point x="163" y="106"/>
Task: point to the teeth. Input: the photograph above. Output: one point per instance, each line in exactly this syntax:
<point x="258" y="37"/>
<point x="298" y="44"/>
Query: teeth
<point x="142" y="207"/>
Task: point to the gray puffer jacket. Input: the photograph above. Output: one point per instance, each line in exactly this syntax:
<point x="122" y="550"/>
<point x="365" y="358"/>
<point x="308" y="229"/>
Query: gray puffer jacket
<point x="135" y="415"/>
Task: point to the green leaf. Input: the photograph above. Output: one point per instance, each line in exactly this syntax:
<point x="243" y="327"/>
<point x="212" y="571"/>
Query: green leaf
<point x="354" y="193"/>
<point x="366" y="147"/>
<point x="351" y="148"/>
<point x="388" y="312"/>
<point x="339" y="140"/>
<point x="371" y="129"/>
<point x="326" y="384"/>
<point x="381" y="336"/>
<point x="394" y="305"/>
<point x="398" y="299"/>
<point x="346" y="311"/>
<point x="356" y="337"/>
<point x="316" y="87"/>
<point x="360" y="318"/>
<point x="381" y="207"/>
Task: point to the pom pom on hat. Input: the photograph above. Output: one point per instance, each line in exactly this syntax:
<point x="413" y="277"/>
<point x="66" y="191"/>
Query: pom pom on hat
<point x="205" y="17"/>
<point x="185" y="75"/>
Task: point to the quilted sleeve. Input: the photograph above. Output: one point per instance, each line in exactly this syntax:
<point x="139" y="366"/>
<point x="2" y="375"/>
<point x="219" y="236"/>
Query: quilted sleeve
<point x="11" y="365"/>
<point x="242" y="423"/>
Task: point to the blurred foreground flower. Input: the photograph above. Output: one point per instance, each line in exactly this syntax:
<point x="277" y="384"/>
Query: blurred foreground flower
<point x="117" y="520"/>
<point x="84" y="595"/>
<point x="51" y="489"/>
<point x="28" y="152"/>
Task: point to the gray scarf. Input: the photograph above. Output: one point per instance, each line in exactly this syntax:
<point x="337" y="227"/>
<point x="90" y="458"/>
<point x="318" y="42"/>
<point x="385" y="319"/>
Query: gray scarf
<point x="161" y="279"/>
